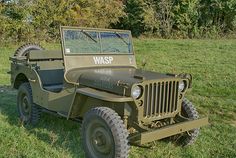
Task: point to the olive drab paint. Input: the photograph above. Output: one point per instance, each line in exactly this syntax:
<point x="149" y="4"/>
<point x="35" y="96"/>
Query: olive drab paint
<point x="70" y="84"/>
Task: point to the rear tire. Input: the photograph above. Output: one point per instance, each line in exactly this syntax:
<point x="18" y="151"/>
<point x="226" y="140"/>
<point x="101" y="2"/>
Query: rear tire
<point x="29" y="112"/>
<point x="24" y="49"/>
<point x="104" y="134"/>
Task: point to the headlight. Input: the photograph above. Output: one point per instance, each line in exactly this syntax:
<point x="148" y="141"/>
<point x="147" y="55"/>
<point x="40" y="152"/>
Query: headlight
<point x="136" y="92"/>
<point x="181" y="86"/>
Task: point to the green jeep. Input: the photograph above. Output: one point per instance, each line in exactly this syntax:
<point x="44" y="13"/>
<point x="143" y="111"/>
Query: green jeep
<point x="94" y="79"/>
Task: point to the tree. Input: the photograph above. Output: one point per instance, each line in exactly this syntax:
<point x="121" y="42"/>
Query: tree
<point x="218" y="14"/>
<point x="134" y="19"/>
<point x="101" y="13"/>
<point x="186" y="17"/>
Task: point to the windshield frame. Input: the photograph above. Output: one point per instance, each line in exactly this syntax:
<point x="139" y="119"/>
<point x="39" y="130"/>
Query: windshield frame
<point x="63" y="28"/>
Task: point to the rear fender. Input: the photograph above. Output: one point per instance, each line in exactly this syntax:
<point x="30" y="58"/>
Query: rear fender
<point x="26" y="74"/>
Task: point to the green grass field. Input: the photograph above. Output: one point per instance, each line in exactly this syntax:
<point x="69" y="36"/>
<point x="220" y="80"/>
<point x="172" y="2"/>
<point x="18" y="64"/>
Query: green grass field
<point x="213" y="66"/>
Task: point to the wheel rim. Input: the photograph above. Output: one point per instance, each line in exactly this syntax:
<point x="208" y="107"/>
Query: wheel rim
<point x="24" y="107"/>
<point x="99" y="139"/>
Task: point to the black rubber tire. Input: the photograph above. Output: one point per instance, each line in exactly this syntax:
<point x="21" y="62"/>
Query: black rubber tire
<point x="33" y="112"/>
<point x="103" y="118"/>
<point x="24" y="49"/>
<point x="189" y="111"/>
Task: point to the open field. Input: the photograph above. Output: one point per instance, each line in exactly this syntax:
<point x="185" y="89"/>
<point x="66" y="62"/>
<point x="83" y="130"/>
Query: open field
<point x="213" y="66"/>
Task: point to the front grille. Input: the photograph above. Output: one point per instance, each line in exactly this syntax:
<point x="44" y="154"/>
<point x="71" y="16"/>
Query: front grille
<point x="160" y="98"/>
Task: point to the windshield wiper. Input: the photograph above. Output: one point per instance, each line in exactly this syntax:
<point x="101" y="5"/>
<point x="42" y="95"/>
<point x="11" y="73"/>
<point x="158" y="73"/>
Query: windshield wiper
<point x="88" y="35"/>
<point x="120" y="37"/>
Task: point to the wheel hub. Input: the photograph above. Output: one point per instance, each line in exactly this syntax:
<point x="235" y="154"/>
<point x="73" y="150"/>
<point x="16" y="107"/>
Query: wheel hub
<point x="101" y="140"/>
<point x="25" y="108"/>
<point x="25" y="104"/>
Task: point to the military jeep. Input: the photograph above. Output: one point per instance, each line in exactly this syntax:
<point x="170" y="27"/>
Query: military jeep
<point x="94" y="79"/>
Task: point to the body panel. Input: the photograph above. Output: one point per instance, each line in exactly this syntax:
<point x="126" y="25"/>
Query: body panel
<point x="90" y="61"/>
<point x="52" y="101"/>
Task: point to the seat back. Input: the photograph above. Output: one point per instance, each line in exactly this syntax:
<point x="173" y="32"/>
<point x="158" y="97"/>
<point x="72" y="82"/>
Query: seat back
<point x="50" y="66"/>
<point x="51" y="77"/>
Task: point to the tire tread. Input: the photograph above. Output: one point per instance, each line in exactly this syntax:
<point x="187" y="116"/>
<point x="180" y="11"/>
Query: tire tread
<point x="117" y="127"/>
<point x="192" y="113"/>
<point x="35" y="109"/>
<point x="22" y="50"/>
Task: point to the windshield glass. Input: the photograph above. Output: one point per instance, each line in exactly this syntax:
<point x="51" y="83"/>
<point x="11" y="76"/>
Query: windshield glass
<point x="77" y="41"/>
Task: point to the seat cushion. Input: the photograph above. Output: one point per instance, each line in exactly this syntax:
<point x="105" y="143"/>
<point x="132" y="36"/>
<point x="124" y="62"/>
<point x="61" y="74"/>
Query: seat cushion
<point x="54" y="88"/>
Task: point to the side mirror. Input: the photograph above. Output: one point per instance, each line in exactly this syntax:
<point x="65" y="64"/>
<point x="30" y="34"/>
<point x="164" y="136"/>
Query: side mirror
<point x="144" y="62"/>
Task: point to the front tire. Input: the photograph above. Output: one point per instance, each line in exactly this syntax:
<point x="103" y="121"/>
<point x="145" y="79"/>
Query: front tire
<point x="104" y="134"/>
<point x="190" y="112"/>
<point x="29" y="112"/>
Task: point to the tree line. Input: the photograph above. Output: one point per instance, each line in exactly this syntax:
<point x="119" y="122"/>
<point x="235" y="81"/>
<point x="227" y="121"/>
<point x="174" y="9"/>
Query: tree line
<point x="37" y="20"/>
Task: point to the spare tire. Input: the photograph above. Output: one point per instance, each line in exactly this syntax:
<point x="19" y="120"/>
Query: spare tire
<point x="24" y="49"/>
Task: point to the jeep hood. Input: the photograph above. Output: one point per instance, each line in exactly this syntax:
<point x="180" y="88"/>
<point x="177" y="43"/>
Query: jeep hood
<point x="115" y="80"/>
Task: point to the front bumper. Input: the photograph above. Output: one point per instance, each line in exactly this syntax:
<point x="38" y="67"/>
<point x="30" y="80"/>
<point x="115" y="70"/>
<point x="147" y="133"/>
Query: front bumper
<point x="164" y="132"/>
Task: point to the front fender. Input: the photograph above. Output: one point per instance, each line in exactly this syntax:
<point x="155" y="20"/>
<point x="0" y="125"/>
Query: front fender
<point x="87" y="98"/>
<point x="102" y="95"/>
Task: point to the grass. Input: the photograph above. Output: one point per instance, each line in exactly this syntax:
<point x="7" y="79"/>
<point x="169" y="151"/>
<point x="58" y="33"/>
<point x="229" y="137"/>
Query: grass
<point x="213" y="66"/>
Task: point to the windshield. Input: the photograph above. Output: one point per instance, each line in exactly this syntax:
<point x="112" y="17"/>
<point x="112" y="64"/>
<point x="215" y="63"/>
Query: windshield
<point x="78" y="41"/>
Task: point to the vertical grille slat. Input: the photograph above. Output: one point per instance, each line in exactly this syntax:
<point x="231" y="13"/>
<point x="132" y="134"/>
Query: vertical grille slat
<point x="148" y="100"/>
<point x="170" y="98"/>
<point x="176" y="94"/>
<point x="164" y="97"/>
<point x="167" y="97"/>
<point x="151" y="98"/>
<point x="154" y="107"/>
<point x="173" y="97"/>
<point x="145" y="100"/>
<point x="160" y="98"/>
